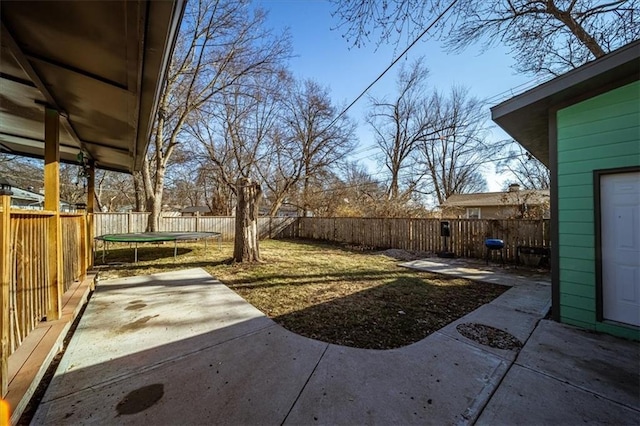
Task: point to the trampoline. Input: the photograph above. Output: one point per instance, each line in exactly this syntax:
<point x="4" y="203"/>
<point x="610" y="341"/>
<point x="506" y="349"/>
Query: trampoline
<point x="157" y="237"/>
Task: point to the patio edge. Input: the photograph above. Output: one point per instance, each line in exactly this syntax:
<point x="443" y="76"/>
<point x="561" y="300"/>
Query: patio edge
<point x="29" y="363"/>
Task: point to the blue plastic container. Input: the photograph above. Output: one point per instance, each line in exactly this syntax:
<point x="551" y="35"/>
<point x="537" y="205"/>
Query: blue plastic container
<point x="494" y="244"/>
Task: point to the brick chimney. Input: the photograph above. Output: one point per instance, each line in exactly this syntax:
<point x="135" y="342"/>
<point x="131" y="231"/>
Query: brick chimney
<point x="514" y="187"/>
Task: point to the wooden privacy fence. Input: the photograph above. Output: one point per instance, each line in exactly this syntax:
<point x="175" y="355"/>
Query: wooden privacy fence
<point x="122" y="223"/>
<point x="467" y="235"/>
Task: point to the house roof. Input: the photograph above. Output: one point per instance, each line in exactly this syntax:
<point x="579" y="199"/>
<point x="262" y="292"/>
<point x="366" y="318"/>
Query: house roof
<point x="31" y="196"/>
<point x="23" y="194"/>
<point x="100" y="63"/>
<point x="194" y="209"/>
<point x="526" y="117"/>
<point x="487" y="199"/>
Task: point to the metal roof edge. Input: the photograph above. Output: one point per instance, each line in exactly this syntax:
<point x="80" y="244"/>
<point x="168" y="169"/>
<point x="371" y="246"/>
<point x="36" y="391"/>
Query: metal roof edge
<point x="612" y="60"/>
<point x="144" y="132"/>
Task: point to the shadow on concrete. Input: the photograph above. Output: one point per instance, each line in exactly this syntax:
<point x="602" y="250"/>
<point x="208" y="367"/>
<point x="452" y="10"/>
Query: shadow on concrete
<point x="181" y="348"/>
<point x="172" y="349"/>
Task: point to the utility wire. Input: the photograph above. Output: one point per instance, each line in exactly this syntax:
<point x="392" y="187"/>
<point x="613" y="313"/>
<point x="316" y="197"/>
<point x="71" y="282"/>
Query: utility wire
<point x="382" y="74"/>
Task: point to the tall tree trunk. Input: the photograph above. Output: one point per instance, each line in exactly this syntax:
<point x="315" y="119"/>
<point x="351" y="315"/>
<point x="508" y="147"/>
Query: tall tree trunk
<point x="154" y="183"/>
<point x="156" y="207"/>
<point x="246" y="247"/>
<point x="138" y="186"/>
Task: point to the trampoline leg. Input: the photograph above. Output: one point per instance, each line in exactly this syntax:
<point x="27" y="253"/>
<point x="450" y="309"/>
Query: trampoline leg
<point x="136" y="253"/>
<point x="175" y="249"/>
<point x="104" y="243"/>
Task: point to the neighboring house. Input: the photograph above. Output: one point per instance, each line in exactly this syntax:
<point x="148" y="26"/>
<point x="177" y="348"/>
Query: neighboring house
<point x="585" y="126"/>
<point x="285" y="210"/>
<point x="196" y="210"/>
<point x="30" y="200"/>
<point x="512" y="204"/>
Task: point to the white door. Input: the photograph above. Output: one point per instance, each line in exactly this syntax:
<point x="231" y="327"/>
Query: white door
<point x="620" y="237"/>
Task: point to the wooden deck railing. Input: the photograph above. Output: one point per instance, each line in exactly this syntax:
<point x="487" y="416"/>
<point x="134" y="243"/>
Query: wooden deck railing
<point x="28" y="271"/>
<point x="73" y="248"/>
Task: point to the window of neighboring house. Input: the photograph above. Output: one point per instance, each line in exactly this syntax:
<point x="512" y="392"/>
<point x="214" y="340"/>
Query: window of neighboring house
<point x="473" y="213"/>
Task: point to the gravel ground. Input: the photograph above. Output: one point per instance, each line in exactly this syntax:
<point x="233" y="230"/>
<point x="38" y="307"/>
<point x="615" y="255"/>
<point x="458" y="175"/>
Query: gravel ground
<point x="489" y="336"/>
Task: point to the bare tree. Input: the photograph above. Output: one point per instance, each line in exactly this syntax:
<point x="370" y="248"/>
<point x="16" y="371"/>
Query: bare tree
<point x="235" y="138"/>
<point x="280" y="169"/>
<point x="545" y="36"/>
<point x="364" y="196"/>
<point x="400" y="123"/>
<point x="450" y="159"/>
<point x="219" y="197"/>
<point x="114" y="191"/>
<point x="360" y="193"/>
<point x="221" y="41"/>
<point x="525" y="169"/>
<point x="23" y="172"/>
<point x="317" y="138"/>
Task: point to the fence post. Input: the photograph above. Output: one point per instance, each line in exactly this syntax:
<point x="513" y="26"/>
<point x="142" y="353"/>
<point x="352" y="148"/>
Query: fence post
<point x="270" y="227"/>
<point x="197" y="221"/>
<point x="129" y="221"/>
<point x="5" y="278"/>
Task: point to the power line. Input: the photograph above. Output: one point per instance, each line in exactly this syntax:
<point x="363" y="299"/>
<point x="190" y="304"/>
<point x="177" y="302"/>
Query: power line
<point x="382" y="74"/>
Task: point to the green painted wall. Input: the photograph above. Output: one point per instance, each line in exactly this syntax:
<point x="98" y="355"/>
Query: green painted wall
<point x="600" y="133"/>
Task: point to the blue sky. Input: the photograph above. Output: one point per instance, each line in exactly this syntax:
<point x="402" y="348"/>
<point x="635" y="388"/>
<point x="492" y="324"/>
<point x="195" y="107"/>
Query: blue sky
<point x="323" y="55"/>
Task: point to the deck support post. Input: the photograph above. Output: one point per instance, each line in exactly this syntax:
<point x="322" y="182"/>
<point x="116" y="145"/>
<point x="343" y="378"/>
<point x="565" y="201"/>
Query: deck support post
<point x="52" y="203"/>
<point x="91" y="205"/>
<point x="5" y="281"/>
<point x="83" y="243"/>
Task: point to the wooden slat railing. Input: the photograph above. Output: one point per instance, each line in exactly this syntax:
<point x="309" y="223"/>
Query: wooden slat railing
<point x="28" y="269"/>
<point x="73" y="248"/>
<point x="29" y="274"/>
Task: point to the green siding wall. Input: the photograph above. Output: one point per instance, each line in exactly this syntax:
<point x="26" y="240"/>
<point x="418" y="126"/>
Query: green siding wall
<point x="600" y="133"/>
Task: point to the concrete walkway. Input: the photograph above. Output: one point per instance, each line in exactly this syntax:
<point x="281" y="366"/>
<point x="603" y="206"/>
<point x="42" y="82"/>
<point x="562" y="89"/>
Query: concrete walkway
<point x="181" y="348"/>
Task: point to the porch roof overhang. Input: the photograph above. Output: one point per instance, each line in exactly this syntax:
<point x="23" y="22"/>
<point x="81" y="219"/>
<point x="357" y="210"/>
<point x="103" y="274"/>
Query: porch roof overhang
<point x="101" y="64"/>
<point x="526" y="117"/>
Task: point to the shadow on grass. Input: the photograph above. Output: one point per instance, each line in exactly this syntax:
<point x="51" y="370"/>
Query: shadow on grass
<point x="332" y="245"/>
<point x="134" y="269"/>
<point x="126" y="254"/>
<point x="287" y="279"/>
<point x="366" y="303"/>
<point x="392" y="315"/>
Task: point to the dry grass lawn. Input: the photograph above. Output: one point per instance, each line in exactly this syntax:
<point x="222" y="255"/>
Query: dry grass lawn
<point x="326" y="292"/>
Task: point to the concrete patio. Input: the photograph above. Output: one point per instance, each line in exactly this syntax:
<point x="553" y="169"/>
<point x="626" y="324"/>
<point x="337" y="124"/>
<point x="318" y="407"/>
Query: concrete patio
<point x="182" y="348"/>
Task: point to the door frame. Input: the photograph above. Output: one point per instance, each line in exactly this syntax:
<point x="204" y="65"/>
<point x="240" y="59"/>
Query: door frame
<point x="597" y="217"/>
